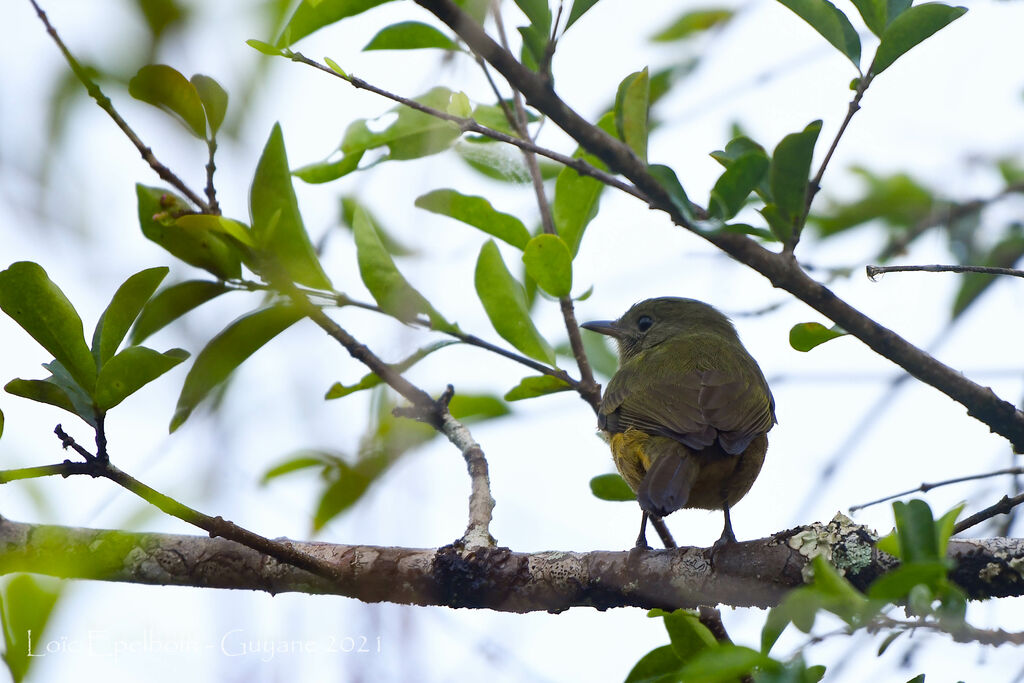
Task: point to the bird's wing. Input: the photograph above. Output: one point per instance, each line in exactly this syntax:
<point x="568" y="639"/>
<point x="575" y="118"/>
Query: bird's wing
<point x="694" y="407"/>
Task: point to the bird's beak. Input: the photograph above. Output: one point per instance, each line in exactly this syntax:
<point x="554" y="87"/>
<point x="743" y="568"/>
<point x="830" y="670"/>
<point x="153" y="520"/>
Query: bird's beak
<point x="608" y="327"/>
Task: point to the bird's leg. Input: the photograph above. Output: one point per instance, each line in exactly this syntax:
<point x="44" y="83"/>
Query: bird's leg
<point x="641" y="540"/>
<point x="727" y="537"/>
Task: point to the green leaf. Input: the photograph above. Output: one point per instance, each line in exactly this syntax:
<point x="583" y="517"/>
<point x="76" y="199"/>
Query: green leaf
<point x="42" y="391"/>
<point x="296" y="463"/>
<point x="667" y="178"/>
<point x="738" y="147"/>
<point x="692" y="23"/>
<point x="412" y="135"/>
<point x="790" y="171"/>
<point x="896" y="584"/>
<point x="577" y="196"/>
<point x="874" y="13"/>
<point x="163" y="87"/>
<point x="83" y="403"/>
<point x="371" y="380"/>
<point x="350" y="204"/>
<point x="172" y="303"/>
<point x="33" y="301"/>
<point x="739" y="179"/>
<point x="477" y="407"/>
<point x="611" y="487"/>
<point x="214" y="99"/>
<point x="389" y="288"/>
<point x="26" y="605"/>
<point x="313" y="16"/>
<point x="478" y="212"/>
<point x="689" y="637"/>
<point x="831" y="23"/>
<point x="898" y="200"/>
<point x="410" y="35"/>
<point x="122" y="311"/>
<point x="265" y="48"/>
<point x="226" y="351"/>
<point x="159" y="211"/>
<point x="336" y="68"/>
<point x="341" y="494"/>
<point x="579" y="8"/>
<point x="660" y="665"/>
<point x="539" y="385"/>
<point x="538" y="12"/>
<point x="130" y="370"/>
<point x="915" y="530"/>
<point x="944" y="528"/>
<point x="725" y="663"/>
<point x="910" y="28"/>
<point x="505" y="302"/>
<point x="284" y="237"/>
<point x="805" y="336"/>
<point x="549" y="263"/>
<point x="632" y="102"/>
<point x="326" y="171"/>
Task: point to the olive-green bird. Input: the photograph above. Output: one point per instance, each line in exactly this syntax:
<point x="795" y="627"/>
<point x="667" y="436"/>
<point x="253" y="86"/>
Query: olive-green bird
<point x="688" y="411"/>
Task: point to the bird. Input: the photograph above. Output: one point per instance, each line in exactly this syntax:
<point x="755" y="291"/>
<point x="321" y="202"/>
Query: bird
<point x="688" y="411"/>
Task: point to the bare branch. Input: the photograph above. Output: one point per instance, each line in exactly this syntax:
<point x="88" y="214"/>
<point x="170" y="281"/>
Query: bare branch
<point x="926" y="487"/>
<point x="1005" y="504"/>
<point x="873" y="271"/>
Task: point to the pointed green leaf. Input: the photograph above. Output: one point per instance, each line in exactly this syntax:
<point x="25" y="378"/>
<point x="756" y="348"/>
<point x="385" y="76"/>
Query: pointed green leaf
<point x="831" y="23"/>
<point x="668" y="179"/>
<point x="549" y="263"/>
<point x="532" y="387"/>
<point x="911" y="28"/>
<point x="214" y="99"/>
<point x="313" y="16"/>
<point x="725" y="663"/>
<point x="469" y="408"/>
<point x="611" y="487"/>
<point x="740" y="146"/>
<point x="790" y="171"/>
<point x="412" y="134"/>
<point x="265" y="48"/>
<point x="83" y="403"/>
<point x="688" y="636"/>
<point x="692" y="23"/>
<point x="505" y="302"/>
<point x="389" y="288"/>
<point x="227" y="350"/>
<point x="805" y="336"/>
<point x="286" y="238"/>
<point x="25" y="607"/>
<point x="632" y="101"/>
<point x="122" y="311"/>
<point x="350" y="204"/>
<point x="478" y="212"/>
<point x="944" y="528"/>
<point x="874" y="13"/>
<point x="341" y="494"/>
<point x="916" y="532"/>
<point x="736" y="183"/>
<point x="410" y="35"/>
<point x="130" y="370"/>
<point x="579" y="8"/>
<point x="326" y="171"/>
<point x="660" y="664"/>
<point x="172" y="303"/>
<point x="42" y="391"/>
<point x="37" y="304"/>
<point x="301" y="461"/>
<point x="159" y="211"/>
<point x="163" y="87"/>
<point x="577" y="197"/>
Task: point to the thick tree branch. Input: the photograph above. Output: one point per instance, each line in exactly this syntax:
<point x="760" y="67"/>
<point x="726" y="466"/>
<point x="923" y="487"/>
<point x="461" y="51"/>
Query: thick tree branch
<point x="754" y="573"/>
<point x="782" y="270"/>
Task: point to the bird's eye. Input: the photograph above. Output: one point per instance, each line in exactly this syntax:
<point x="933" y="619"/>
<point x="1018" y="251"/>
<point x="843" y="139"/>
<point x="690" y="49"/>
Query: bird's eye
<point x="644" y="322"/>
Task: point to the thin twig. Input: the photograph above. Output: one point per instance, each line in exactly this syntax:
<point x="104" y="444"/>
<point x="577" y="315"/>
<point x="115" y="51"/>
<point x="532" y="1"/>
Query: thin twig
<point x="468" y="125"/>
<point x="873" y="271"/>
<point x="211" y="168"/>
<point x="587" y="387"/>
<point x="815" y="184"/>
<point x="106" y="105"/>
<point x="1005" y="504"/>
<point x="926" y="487"/>
<point x="95" y="466"/>
<point x="960" y="632"/>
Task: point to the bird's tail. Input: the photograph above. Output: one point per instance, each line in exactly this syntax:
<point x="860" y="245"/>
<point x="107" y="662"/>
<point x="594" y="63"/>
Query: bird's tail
<point x="666" y="486"/>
